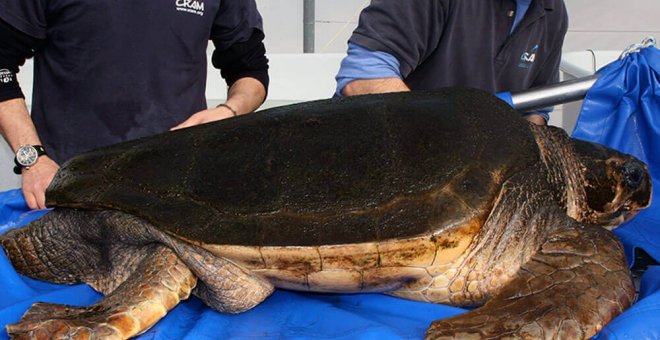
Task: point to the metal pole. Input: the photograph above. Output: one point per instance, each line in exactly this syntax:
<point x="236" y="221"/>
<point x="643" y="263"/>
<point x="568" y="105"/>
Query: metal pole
<point x="309" y="19"/>
<point x="555" y="94"/>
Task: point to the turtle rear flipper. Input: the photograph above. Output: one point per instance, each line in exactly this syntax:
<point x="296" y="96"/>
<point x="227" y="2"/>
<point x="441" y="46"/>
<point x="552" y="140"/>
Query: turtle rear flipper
<point x="159" y="283"/>
<point x="223" y="285"/>
<point x="576" y="283"/>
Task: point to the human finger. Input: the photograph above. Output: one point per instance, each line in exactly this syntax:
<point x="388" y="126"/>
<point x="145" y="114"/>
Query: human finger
<point x="30" y="200"/>
<point x="40" y="198"/>
<point x="192" y="121"/>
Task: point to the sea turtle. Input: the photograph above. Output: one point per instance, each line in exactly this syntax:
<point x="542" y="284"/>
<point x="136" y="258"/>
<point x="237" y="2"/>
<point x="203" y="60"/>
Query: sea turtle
<point x="445" y="196"/>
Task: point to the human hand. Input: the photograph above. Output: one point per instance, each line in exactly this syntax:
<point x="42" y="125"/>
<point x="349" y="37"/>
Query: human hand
<point x="536" y="119"/>
<point x="206" y="116"/>
<point x="36" y="180"/>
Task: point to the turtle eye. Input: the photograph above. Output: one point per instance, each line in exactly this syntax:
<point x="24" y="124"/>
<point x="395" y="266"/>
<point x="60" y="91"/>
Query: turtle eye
<point x="633" y="174"/>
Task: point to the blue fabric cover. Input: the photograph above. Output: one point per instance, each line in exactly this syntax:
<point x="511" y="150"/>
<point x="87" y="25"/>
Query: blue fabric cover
<point x="284" y="315"/>
<point x="622" y="111"/>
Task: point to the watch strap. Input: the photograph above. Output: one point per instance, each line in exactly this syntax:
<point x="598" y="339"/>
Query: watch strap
<point x="40" y="150"/>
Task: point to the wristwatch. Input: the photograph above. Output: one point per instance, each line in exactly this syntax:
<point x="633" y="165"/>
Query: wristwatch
<point x="26" y="156"/>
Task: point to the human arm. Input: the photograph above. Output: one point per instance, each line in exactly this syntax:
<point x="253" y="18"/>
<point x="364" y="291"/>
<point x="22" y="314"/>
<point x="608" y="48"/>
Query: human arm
<point x="378" y="85"/>
<point x="244" y="96"/>
<point x="15" y="123"/>
<point x="364" y="71"/>
<point x="17" y="129"/>
<point x="244" y="67"/>
<point x="240" y="55"/>
<point x="539" y="117"/>
<point x="409" y="31"/>
<point x="391" y="40"/>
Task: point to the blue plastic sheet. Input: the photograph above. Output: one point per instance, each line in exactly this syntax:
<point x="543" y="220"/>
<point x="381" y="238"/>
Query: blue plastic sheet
<point x="284" y="315"/>
<point x="622" y="111"/>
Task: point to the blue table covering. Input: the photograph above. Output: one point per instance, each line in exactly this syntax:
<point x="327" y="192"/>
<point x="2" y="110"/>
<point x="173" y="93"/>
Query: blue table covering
<point x="284" y="315"/>
<point x="622" y="111"/>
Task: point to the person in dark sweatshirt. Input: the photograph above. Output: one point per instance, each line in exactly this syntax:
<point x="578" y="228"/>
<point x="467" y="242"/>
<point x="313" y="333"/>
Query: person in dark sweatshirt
<point x="493" y="45"/>
<point x="111" y="71"/>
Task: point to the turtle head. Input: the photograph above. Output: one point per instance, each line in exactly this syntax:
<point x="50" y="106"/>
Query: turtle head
<point x="598" y="185"/>
<point x="615" y="186"/>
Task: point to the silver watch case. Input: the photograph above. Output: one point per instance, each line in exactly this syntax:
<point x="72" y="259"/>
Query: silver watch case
<point x="26" y="155"/>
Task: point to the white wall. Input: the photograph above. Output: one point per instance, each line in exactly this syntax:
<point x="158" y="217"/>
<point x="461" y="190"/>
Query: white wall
<point x="594" y="24"/>
<point x="610" y="24"/>
<point x="283" y="23"/>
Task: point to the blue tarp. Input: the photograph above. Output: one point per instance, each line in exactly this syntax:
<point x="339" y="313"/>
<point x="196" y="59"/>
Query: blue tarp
<point x="612" y="115"/>
<point x="284" y="315"/>
<point x="622" y="111"/>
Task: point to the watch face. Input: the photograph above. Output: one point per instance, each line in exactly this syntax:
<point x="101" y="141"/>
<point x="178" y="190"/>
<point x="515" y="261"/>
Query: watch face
<point x="26" y="155"/>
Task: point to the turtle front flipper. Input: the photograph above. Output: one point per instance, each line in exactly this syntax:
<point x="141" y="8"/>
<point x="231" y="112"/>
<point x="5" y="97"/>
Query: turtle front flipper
<point x="158" y="284"/>
<point x="576" y="283"/>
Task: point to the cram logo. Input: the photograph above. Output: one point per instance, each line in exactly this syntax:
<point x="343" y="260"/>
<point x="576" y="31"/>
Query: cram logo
<point x="527" y="58"/>
<point x="190" y="6"/>
<point x="6" y="76"/>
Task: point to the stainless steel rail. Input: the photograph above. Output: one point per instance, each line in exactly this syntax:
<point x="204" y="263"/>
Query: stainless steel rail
<point x="559" y="93"/>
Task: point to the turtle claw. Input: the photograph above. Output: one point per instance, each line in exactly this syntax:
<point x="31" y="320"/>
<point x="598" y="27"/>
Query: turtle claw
<point x="52" y="321"/>
<point x="440" y="330"/>
<point x="39" y="309"/>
